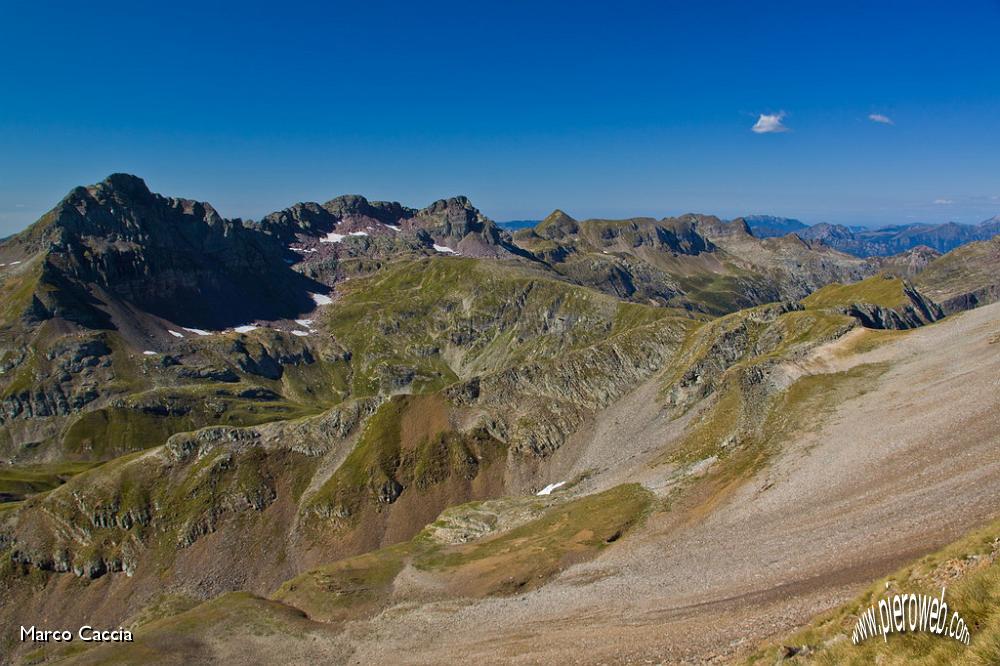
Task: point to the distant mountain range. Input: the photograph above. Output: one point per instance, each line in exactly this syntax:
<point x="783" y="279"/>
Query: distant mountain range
<point x="881" y="242"/>
<point x="859" y="241"/>
<point x="772" y="226"/>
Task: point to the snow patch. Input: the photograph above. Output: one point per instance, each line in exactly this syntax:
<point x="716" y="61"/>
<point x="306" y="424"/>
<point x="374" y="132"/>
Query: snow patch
<point x="14" y="263"/>
<point x="304" y="323"/>
<point x="149" y="353"/>
<point x="246" y="328"/>
<point x="392" y="226"/>
<point x="307" y="250"/>
<point x="547" y="490"/>
<point x="196" y="331"/>
<point x="321" y="299"/>
<point x="175" y="333"/>
<point x="444" y="248"/>
<point x="301" y="334"/>
<point x="334" y="237"/>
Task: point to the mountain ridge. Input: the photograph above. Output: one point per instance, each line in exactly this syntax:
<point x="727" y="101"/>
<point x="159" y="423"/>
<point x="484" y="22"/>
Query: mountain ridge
<point x="435" y="381"/>
<point x="880" y="241"/>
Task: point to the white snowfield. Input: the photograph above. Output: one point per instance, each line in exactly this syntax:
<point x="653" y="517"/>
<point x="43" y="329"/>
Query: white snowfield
<point x="149" y="353"/>
<point x="321" y="299"/>
<point x="547" y="490"/>
<point x="334" y="237"/>
<point x="196" y="331"/>
<point x="175" y="333"/>
<point x="304" y="323"/>
<point x="300" y="334"/>
<point x="246" y="328"/>
<point x="444" y="248"/>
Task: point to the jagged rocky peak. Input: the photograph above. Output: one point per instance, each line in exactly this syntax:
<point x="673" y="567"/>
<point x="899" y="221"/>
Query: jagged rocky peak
<point x="459" y="225"/>
<point x="455" y="218"/>
<point x="122" y="208"/>
<point x="123" y="186"/>
<point x="171" y="257"/>
<point x="309" y="218"/>
<point x="355" y="205"/>
<point x="348" y="212"/>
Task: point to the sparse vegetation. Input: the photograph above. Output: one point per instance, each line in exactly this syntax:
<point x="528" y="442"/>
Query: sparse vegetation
<point x="514" y="560"/>
<point x="970" y="571"/>
<point x="882" y="290"/>
<point x="21" y="481"/>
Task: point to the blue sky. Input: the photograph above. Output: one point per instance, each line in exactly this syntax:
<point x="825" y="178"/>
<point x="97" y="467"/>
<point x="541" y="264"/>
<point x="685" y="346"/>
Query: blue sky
<point x="602" y="109"/>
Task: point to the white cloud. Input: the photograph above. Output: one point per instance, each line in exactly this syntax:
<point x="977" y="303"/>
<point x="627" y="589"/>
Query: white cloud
<point x="943" y="202"/>
<point x="769" y="123"/>
<point x="880" y="118"/>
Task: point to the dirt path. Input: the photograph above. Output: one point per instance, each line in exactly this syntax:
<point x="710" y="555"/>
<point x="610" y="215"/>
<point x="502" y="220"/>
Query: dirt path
<point x="892" y="474"/>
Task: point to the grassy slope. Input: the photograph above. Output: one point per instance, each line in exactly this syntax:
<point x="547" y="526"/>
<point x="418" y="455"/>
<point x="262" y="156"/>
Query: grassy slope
<point x="229" y="627"/>
<point x="18" y="287"/>
<point x="235" y="628"/>
<point x="17" y="482"/>
<point x="519" y="559"/>
<point x="883" y="291"/>
<point x="409" y="442"/>
<point x="446" y="317"/>
<point x="968" y="569"/>
<point x="500" y="316"/>
<point x="746" y="419"/>
<point x="482" y="320"/>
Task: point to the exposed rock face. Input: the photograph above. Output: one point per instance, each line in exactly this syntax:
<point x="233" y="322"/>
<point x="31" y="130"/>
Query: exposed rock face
<point x="350" y="212"/>
<point x="308" y="218"/>
<point x="694" y="261"/>
<point x="554" y="399"/>
<point x="723" y="344"/>
<point x="174" y="258"/>
<point x="910" y="263"/>
<point x="68" y="377"/>
<point x="352" y="206"/>
<point x="457" y="224"/>
<point x="714" y="228"/>
<point x="882" y="301"/>
<point x="917" y="312"/>
<point x="378" y="230"/>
